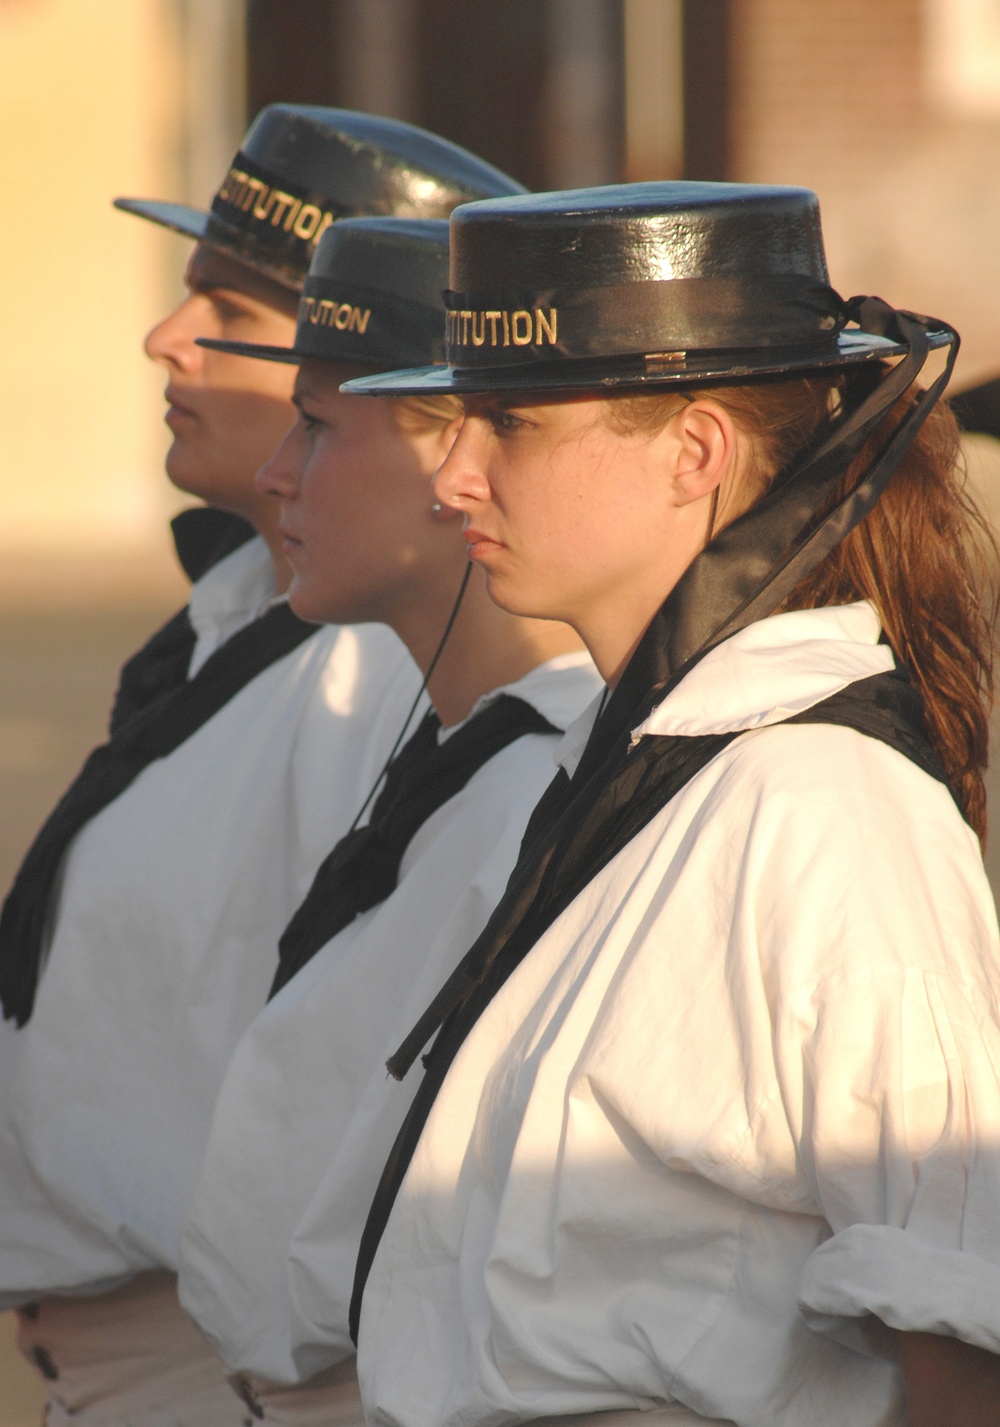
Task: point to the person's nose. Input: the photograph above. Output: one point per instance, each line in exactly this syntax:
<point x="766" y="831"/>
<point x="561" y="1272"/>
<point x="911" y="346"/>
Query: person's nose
<point x="461" y="481"/>
<point x="281" y="473"/>
<point x="172" y="341"/>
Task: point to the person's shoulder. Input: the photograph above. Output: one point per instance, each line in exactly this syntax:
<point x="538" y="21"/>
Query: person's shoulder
<point x="815" y="766"/>
<point x="833" y="812"/>
<point x="854" y="833"/>
<point x="814" y="856"/>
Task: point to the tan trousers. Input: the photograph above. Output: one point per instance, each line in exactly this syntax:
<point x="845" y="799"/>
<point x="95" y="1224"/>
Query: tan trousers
<point x="655" y="1417"/>
<point x="331" y="1399"/>
<point x="133" y="1358"/>
<point x="130" y="1358"/>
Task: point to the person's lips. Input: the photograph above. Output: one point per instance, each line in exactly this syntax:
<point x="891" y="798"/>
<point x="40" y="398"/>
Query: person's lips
<point x="479" y="542"/>
<point x="178" y="412"/>
<point x="289" y="542"/>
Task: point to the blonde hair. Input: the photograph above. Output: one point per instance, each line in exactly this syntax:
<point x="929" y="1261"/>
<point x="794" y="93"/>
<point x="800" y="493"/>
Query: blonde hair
<point x="924" y="557"/>
<point x="422" y="413"/>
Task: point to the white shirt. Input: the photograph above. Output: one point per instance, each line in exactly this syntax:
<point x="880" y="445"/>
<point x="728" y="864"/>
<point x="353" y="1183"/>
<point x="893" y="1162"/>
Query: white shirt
<point x="739" y="1104"/>
<point x="165" y="943"/>
<point x="228" y="597"/>
<point x="307" y="1114"/>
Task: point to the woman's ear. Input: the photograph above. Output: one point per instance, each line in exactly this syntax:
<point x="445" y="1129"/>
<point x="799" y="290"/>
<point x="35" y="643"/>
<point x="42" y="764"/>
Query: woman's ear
<point x="702" y="452"/>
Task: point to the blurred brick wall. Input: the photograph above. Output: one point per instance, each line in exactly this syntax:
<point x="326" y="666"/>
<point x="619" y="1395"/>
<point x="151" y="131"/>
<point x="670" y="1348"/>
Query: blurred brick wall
<point x="837" y="95"/>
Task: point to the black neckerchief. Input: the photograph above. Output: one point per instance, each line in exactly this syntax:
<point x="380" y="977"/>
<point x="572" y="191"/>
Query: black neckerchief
<point x="580" y="825"/>
<point x="363" y="869"/>
<point x="163" y="709"/>
<point x="203" y="536"/>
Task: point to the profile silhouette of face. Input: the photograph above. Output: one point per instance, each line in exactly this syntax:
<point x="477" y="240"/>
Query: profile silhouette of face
<point x="227" y="413"/>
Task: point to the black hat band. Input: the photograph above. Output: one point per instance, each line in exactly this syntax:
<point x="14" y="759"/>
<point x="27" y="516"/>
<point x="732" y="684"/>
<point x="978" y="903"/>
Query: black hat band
<point x="265" y="216"/>
<point x="667" y="318"/>
<point x="346" y="321"/>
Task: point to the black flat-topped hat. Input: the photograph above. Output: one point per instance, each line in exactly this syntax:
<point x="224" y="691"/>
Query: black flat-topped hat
<point x="301" y="167"/>
<point x="372" y="296"/>
<point x="637" y="285"/>
<point x="647" y="286"/>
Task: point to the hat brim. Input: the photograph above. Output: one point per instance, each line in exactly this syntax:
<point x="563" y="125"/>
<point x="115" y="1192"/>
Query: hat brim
<point x="850" y="349"/>
<point x="207" y="228"/>
<point x="292" y="356"/>
<point x="192" y="222"/>
<point x="259" y="350"/>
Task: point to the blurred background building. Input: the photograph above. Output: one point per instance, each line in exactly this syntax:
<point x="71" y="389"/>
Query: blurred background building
<point x="890" y="109"/>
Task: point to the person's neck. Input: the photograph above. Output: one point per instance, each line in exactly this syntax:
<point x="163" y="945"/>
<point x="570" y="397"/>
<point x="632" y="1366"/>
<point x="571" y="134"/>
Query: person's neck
<point x="280" y="566"/>
<point x="612" y="628"/>
<point x="264" y="519"/>
<point x="487" y="649"/>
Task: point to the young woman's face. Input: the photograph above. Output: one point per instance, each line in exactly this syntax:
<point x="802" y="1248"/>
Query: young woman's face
<point x="572" y="520"/>
<point x="357" y="516"/>
<point x="227" y="413"/>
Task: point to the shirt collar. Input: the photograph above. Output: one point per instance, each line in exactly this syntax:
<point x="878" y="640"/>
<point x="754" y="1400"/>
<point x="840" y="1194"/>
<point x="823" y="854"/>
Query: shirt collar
<point x="772" y="669"/>
<point x="570" y="748"/>
<point x="239" y="587"/>
<point x="558" y="689"/>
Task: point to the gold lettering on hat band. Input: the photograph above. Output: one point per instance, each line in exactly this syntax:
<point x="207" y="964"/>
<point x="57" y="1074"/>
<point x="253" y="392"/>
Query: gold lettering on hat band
<point x="274" y="206"/>
<point x="499" y="328"/>
<point x="254" y="187"/>
<point x="322" y="312"/>
<point x="542" y="324"/>
<point x="262" y="209"/>
<point x="232" y="185"/>
<point x="307" y="222"/>
<point x="521" y="328"/>
<point x="282" y="203"/>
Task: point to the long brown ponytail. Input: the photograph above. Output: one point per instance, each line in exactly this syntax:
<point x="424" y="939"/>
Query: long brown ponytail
<point x="924" y="557"/>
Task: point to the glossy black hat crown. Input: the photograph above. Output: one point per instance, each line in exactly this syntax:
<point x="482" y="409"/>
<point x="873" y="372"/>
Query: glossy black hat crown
<point x="301" y="167"/>
<point x="372" y="296"/>
<point x="639" y="284"/>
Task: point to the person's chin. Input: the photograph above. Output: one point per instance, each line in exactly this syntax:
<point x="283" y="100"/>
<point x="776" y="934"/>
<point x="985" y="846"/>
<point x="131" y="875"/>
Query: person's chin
<point x="197" y="478"/>
<point x="507" y="594"/>
<point x="307" y="602"/>
<point x="315" y="602"/>
<point x="186" y="472"/>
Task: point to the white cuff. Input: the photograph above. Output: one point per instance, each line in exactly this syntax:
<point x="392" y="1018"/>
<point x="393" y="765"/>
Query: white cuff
<point x="905" y="1282"/>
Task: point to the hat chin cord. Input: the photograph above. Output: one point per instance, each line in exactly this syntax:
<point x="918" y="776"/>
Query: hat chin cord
<point x="713" y="511"/>
<point x="420" y="693"/>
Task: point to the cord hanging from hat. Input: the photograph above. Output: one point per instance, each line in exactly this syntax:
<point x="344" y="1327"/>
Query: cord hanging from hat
<point x="420" y="693"/>
<point x="755" y="562"/>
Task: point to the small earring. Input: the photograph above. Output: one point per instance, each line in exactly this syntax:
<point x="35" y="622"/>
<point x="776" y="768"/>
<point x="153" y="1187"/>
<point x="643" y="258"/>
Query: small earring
<point x="437" y="507"/>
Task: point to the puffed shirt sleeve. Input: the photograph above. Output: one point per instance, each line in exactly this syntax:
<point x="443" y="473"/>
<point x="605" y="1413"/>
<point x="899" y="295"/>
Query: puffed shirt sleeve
<point x="901" y="1142"/>
<point x="878" y="938"/>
